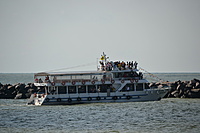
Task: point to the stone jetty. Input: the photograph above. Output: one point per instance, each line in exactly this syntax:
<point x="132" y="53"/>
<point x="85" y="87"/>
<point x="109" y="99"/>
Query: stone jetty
<point x="17" y="91"/>
<point x="179" y="89"/>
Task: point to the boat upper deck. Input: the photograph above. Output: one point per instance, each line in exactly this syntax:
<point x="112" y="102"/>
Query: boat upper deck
<point x="87" y="76"/>
<point x="107" y="71"/>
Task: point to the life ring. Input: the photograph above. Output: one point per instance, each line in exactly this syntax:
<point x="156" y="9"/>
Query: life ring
<point x="93" y="82"/>
<point x="89" y="98"/>
<point x="122" y="81"/>
<point x="63" y="83"/>
<point x="103" y="81"/>
<point x="52" y="83"/>
<point x="69" y="100"/>
<point x="128" y="97"/>
<point x="98" y="98"/>
<point x="47" y="99"/>
<point x="59" y="100"/>
<point x="132" y="80"/>
<point x="78" y="99"/>
<point x="73" y="82"/>
<point x="83" y="82"/>
<point x="136" y="80"/>
<point x="114" y="98"/>
<point x="112" y="81"/>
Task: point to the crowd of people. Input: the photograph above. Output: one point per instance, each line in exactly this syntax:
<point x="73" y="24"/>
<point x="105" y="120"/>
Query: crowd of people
<point x="41" y="81"/>
<point x="117" y="65"/>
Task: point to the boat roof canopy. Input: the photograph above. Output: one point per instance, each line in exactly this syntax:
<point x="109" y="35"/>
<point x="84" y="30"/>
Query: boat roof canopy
<point x="81" y="73"/>
<point x="69" y="73"/>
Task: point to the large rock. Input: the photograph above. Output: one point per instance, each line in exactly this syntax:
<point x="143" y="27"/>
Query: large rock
<point x="194" y="93"/>
<point x="19" y="96"/>
<point x="185" y="89"/>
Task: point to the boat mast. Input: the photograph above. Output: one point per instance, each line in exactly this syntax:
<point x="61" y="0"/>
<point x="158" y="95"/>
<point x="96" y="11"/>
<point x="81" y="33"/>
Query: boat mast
<point x="104" y="58"/>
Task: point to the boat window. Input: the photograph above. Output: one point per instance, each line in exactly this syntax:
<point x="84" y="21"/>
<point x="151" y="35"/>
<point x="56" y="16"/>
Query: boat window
<point x="117" y="75"/>
<point x="85" y="77"/>
<point x="41" y="89"/>
<point x="92" y="89"/>
<point x="74" y="77"/>
<point x="103" y="88"/>
<point x="139" y="87"/>
<point x="81" y="89"/>
<point x="63" y="77"/>
<point x="71" y="89"/>
<point x="80" y="76"/>
<point x="98" y="77"/>
<point x="62" y="90"/>
<point x="147" y="86"/>
<point x="128" y="87"/>
<point x="52" y="90"/>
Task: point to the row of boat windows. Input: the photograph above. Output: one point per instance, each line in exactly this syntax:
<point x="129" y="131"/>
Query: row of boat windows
<point x="94" y="89"/>
<point x="80" y="89"/>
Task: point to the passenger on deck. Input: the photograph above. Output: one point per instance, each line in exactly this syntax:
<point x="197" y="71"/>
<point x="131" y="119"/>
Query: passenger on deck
<point x="128" y="89"/>
<point x="54" y="79"/>
<point x="140" y="75"/>
<point x="119" y="65"/>
<point x="108" y="66"/>
<point x="123" y="64"/>
<point x="99" y="89"/>
<point x="131" y="63"/>
<point x="135" y="65"/>
<point x="47" y="79"/>
<point x="135" y="74"/>
<point x="40" y="80"/>
<point x="102" y="65"/>
<point x="93" y="90"/>
<point x="36" y="80"/>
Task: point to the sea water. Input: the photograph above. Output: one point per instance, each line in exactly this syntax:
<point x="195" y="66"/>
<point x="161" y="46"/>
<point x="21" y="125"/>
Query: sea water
<point x="165" y="116"/>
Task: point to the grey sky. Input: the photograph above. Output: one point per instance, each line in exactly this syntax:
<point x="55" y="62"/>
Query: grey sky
<point x="41" y="35"/>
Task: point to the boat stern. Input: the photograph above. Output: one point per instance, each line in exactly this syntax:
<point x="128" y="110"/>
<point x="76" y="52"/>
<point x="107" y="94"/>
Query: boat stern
<point x="36" y="99"/>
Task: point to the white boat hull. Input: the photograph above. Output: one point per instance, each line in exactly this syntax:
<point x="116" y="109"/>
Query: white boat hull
<point x="131" y="96"/>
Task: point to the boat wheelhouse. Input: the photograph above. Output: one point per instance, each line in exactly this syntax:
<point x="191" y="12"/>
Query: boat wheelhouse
<point x="113" y="82"/>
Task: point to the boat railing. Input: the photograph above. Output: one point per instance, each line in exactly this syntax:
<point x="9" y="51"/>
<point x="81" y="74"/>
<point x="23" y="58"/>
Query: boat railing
<point x="77" y="80"/>
<point x="89" y="80"/>
<point x="129" y="78"/>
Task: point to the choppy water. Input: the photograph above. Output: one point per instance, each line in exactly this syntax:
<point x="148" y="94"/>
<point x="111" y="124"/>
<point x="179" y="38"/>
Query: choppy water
<point x="165" y="116"/>
<point x="13" y="78"/>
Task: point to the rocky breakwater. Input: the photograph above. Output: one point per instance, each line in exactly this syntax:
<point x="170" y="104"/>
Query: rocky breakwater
<point x="181" y="89"/>
<point x="17" y="91"/>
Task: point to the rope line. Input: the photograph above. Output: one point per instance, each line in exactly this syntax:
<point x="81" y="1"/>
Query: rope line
<point x="152" y="75"/>
<point x="88" y="64"/>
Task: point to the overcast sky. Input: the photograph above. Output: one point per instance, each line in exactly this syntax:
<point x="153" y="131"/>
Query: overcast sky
<point x="42" y="35"/>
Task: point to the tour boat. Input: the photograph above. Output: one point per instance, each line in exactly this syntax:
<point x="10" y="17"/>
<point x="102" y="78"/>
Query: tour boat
<point x="114" y="81"/>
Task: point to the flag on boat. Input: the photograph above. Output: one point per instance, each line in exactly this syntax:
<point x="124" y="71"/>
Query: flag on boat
<point x="102" y="58"/>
